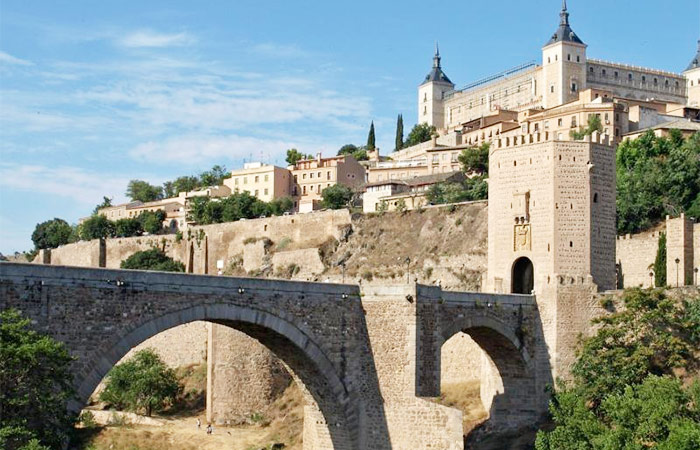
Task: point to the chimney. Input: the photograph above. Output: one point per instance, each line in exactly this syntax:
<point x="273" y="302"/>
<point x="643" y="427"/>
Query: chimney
<point x="318" y="157"/>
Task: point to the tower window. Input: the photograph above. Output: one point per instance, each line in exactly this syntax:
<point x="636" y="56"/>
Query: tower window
<point x="571" y="243"/>
<point x="616" y="74"/>
<point x="568" y="57"/>
<point x="595" y="198"/>
<point x="656" y="81"/>
<point x="551" y="88"/>
<point x="425" y="97"/>
<point x="629" y="76"/>
<point x="590" y="69"/>
<point x="578" y="58"/>
<point x="603" y="72"/>
<point x="644" y="79"/>
<point x="549" y="60"/>
<point x="573" y="87"/>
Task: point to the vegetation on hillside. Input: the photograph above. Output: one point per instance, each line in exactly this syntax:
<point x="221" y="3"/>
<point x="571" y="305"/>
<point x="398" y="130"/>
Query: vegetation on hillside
<point x="635" y="381"/>
<point x="239" y="205"/>
<point x="421" y="132"/>
<point x="474" y="162"/>
<point x="657" y="176"/>
<point x="336" y="196"/>
<point x="35" y="386"/>
<point x="152" y="259"/>
<point x="142" y="384"/>
<point x="139" y="190"/>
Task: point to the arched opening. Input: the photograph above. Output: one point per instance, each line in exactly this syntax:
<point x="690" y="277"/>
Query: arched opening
<point x="523" y="276"/>
<point x="326" y="398"/>
<point x="485" y="372"/>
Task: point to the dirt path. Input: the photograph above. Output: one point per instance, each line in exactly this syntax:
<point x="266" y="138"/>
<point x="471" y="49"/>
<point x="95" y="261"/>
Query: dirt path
<point x="179" y="434"/>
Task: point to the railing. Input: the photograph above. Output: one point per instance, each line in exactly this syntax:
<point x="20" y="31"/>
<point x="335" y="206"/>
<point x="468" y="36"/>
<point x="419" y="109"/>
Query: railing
<point x="489" y="79"/>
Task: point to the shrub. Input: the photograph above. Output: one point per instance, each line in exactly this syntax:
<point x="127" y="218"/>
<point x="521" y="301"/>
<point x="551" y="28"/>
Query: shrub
<point x="153" y="259"/>
<point x="142" y="383"/>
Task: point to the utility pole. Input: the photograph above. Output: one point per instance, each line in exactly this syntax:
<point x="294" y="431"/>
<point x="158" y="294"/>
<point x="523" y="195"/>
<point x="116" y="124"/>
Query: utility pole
<point x="677" y="262"/>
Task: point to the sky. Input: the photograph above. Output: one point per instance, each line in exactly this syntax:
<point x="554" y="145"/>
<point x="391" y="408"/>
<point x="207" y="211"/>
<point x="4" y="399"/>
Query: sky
<point x="94" y="94"/>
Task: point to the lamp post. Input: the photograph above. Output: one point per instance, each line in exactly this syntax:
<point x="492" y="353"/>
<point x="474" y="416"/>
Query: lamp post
<point x="651" y="279"/>
<point x="408" y="274"/>
<point x="696" y="276"/>
<point x="677" y="262"/>
<point x="342" y="266"/>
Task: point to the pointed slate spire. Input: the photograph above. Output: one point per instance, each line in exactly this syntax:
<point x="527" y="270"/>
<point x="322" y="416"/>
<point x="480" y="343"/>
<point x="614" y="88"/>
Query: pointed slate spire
<point x="437" y="74"/>
<point x="695" y="63"/>
<point x="564" y="33"/>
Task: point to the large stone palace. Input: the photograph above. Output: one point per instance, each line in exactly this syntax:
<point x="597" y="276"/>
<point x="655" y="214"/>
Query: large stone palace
<point x="554" y="96"/>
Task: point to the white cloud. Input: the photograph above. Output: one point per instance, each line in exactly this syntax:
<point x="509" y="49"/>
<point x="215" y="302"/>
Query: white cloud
<point x="6" y="58"/>
<point x="79" y="185"/>
<point x="148" y="38"/>
<point x="198" y="149"/>
<point x="279" y="50"/>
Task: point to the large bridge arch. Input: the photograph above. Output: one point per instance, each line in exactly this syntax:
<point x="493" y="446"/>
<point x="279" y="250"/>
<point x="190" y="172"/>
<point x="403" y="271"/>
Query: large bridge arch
<point x="309" y="364"/>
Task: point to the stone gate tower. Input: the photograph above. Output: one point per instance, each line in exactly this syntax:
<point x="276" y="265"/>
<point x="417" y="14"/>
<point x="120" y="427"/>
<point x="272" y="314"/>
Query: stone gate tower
<point x="563" y="64"/>
<point x="431" y="107"/>
<point x="692" y="75"/>
<point x="551" y="228"/>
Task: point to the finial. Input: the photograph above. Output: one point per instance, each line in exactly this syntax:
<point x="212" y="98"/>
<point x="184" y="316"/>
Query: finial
<point x="436" y="58"/>
<point x="564" y="14"/>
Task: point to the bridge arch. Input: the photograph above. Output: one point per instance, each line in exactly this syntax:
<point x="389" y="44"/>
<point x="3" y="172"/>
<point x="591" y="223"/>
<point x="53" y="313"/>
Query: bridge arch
<point x="510" y="401"/>
<point x="287" y="340"/>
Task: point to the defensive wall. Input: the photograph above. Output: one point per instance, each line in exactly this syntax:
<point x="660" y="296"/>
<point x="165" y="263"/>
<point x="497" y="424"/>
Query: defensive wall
<point x="368" y="360"/>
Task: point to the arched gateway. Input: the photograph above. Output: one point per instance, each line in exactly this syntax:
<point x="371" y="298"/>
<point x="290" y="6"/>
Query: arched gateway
<point x="523" y="278"/>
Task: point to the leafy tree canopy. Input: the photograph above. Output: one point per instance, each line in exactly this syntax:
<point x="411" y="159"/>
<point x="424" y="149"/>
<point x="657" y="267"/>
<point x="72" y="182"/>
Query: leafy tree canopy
<point x="625" y="393"/>
<point x="239" y="205"/>
<point x="475" y="160"/>
<point x="139" y="190"/>
<point x="35" y="386"/>
<point x="471" y="189"/>
<point x="213" y="177"/>
<point x="594" y="124"/>
<point x="359" y="153"/>
<point x="52" y="233"/>
<point x="657" y="176"/>
<point x="106" y="203"/>
<point x="97" y="227"/>
<point x="420" y="133"/>
<point x="336" y="196"/>
<point x="153" y="259"/>
<point x="294" y="156"/>
<point x="143" y="383"/>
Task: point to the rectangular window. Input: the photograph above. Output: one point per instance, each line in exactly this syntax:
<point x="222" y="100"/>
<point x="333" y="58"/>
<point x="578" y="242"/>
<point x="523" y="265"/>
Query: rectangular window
<point x="245" y="180"/>
<point x="304" y="190"/>
<point x="236" y="181"/>
<point x="267" y="177"/>
<point x="560" y="122"/>
<point x="266" y="191"/>
<point x="328" y="175"/>
<point x="311" y="175"/>
<point x="257" y="178"/>
<point x="257" y="192"/>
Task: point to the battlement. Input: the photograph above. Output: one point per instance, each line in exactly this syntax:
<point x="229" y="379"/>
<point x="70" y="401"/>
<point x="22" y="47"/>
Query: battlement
<point x="540" y="137"/>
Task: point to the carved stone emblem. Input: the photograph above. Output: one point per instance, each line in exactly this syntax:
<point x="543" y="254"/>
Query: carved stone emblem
<point x="522" y="237"/>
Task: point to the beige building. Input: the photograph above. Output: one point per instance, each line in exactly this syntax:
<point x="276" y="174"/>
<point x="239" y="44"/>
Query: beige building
<point x="554" y="96"/>
<point x="174" y="211"/>
<point x="387" y="195"/>
<point x="685" y="126"/>
<point x="264" y="181"/>
<point x="397" y="170"/>
<point x="312" y="176"/>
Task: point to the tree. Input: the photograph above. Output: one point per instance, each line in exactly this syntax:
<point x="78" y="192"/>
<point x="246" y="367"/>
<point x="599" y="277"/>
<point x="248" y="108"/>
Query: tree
<point x="96" y="227"/>
<point x="185" y="183"/>
<point x="142" y="383"/>
<point x="359" y="153"/>
<point x="370" y="137"/>
<point x="625" y="392"/>
<point x="656" y="176"/>
<point x="152" y="221"/>
<point x="106" y="203"/>
<point x="594" y="124"/>
<point x="471" y="189"/>
<point x="213" y="177"/>
<point x="127" y="228"/>
<point x="660" y="262"/>
<point x="281" y="205"/>
<point x="420" y="133"/>
<point x="336" y="196"/>
<point x="139" y="190"/>
<point x="35" y="386"/>
<point x="153" y="259"/>
<point x="398" y="142"/>
<point x="294" y="156"/>
<point x="475" y="160"/>
<point x="52" y="233"/>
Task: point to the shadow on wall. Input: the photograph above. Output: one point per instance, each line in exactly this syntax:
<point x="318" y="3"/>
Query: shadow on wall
<point x="510" y="334"/>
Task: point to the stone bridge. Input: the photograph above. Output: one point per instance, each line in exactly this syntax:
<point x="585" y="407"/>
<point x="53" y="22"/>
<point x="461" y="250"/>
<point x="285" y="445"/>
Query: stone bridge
<point x="367" y="359"/>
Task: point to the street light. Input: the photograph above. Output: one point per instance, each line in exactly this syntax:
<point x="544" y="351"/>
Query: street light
<point x="696" y="276"/>
<point x="342" y="265"/>
<point x="651" y="279"/>
<point x="408" y="274"/>
<point x="677" y="262"/>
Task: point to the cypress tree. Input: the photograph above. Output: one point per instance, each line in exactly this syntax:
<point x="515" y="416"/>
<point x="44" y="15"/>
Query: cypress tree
<point x="370" y="137"/>
<point x="399" y="133"/>
<point x="660" y="263"/>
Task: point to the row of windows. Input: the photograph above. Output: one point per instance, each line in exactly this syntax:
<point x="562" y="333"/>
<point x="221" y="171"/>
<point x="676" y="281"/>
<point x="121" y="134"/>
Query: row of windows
<point x="257" y="179"/>
<point x="630" y="77"/>
<point x="311" y="189"/>
<point x="453" y="157"/>
<point x="311" y="175"/>
<point x="568" y="58"/>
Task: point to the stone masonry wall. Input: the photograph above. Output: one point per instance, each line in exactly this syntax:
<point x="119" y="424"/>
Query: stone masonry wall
<point x="635" y="253"/>
<point x="679" y="245"/>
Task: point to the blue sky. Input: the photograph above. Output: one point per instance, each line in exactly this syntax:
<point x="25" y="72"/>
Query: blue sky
<point x="93" y="94"/>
